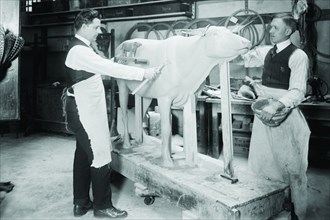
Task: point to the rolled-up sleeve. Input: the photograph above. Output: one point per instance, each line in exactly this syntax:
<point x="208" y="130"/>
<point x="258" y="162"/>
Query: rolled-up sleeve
<point x="299" y="66"/>
<point x="84" y="58"/>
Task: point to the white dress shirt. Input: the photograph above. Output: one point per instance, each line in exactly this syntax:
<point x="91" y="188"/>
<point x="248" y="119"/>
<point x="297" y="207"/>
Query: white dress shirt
<point x="84" y="58"/>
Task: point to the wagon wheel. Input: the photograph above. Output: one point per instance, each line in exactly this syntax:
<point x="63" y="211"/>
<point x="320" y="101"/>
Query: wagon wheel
<point x="198" y="23"/>
<point x="221" y="22"/>
<point x="136" y="27"/>
<point x="237" y="23"/>
<point x="159" y="35"/>
<point x="180" y="24"/>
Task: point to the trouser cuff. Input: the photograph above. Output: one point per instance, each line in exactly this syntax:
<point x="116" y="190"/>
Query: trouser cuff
<point x="81" y="202"/>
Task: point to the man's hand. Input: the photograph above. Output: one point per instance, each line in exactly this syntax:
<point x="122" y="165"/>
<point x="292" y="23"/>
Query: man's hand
<point x="269" y="110"/>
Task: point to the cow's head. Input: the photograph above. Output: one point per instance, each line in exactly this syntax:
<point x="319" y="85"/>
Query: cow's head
<point x="220" y="42"/>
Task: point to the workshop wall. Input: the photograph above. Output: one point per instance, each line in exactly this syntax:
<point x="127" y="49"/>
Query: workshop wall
<point x="320" y="20"/>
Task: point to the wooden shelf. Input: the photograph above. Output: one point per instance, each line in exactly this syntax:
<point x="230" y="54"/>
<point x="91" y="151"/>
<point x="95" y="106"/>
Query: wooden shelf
<point x="104" y="8"/>
<point x="136" y="11"/>
<point x="167" y="15"/>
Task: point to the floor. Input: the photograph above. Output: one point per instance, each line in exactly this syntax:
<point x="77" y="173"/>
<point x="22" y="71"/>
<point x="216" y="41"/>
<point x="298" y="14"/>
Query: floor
<point x="40" y="167"/>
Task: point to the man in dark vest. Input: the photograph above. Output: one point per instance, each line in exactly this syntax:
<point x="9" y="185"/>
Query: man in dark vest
<point x="280" y="152"/>
<point x="86" y="114"/>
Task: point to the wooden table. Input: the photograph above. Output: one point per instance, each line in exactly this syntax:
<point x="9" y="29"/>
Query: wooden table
<point x="199" y="190"/>
<point x="317" y="115"/>
<point x="202" y="118"/>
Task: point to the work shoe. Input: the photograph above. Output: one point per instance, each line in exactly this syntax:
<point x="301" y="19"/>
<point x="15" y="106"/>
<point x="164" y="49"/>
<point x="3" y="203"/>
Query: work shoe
<point x="80" y="210"/>
<point x="110" y="213"/>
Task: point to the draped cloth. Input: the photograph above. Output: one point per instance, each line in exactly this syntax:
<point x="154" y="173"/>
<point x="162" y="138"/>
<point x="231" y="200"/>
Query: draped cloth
<point x="281" y="153"/>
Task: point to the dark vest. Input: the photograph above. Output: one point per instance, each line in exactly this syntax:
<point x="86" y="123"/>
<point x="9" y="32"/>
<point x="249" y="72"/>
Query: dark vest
<point x="276" y="72"/>
<point x="75" y="76"/>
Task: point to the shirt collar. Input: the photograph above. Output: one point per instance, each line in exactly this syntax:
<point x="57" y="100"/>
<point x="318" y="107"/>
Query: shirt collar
<point x="87" y="42"/>
<point x="282" y="45"/>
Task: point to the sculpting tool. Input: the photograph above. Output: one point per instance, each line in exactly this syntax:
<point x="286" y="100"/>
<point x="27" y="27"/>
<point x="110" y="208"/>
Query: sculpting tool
<point x="147" y="80"/>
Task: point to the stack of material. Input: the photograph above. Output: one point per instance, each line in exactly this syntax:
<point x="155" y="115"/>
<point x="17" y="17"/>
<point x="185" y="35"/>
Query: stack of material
<point x="10" y="46"/>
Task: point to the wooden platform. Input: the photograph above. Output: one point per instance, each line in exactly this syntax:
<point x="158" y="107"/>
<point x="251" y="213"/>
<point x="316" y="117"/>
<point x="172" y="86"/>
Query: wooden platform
<point x="200" y="189"/>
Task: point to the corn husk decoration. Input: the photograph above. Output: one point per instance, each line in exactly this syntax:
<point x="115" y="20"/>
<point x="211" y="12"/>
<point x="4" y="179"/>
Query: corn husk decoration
<point x="10" y="46"/>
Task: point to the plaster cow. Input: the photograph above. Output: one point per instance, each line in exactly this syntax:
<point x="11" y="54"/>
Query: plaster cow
<point x="188" y="61"/>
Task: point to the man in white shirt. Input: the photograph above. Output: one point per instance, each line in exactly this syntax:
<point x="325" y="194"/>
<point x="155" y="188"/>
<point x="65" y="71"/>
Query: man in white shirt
<point x="281" y="152"/>
<point x="87" y="116"/>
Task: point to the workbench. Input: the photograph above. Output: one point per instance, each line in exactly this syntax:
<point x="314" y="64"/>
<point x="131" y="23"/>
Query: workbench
<point x="317" y="115"/>
<point x="199" y="190"/>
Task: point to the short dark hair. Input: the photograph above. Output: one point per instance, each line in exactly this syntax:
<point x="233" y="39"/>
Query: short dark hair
<point x="288" y="19"/>
<point x="85" y="16"/>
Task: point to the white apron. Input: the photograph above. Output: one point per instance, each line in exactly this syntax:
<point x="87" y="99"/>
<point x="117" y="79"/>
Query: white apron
<point x="91" y="104"/>
<point x="282" y="153"/>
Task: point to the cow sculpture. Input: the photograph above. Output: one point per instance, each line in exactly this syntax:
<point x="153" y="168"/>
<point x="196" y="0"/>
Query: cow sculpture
<point x="186" y="62"/>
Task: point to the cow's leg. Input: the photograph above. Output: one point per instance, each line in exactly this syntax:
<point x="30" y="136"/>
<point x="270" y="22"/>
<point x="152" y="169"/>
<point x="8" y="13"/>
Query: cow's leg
<point x="146" y="138"/>
<point x="190" y="131"/>
<point x="123" y="100"/>
<point x="164" y="104"/>
<point x="141" y="107"/>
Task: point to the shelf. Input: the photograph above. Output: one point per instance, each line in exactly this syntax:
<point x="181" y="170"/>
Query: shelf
<point x="136" y="11"/>
<point x="104" y="8"/>
<point x="168" y="15"/>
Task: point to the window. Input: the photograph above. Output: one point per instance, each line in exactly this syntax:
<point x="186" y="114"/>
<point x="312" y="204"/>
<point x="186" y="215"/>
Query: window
<point x="28" y="5"/>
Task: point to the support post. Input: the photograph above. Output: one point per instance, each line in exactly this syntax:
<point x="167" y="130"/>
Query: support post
<point x="226" y="122"/>
<point x="138" y="118"/>
<point x="190" y="131"/>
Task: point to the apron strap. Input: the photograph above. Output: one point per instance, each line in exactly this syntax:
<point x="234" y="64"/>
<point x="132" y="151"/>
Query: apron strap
<point x="64" y="97"/>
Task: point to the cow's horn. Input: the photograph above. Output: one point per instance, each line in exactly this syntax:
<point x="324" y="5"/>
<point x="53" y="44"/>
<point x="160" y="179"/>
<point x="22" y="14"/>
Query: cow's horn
<point x="205" y="30"/>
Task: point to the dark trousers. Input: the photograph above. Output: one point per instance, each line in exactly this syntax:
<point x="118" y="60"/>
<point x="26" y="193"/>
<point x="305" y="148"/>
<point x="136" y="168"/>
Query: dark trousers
<point x="83" y="174"/>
